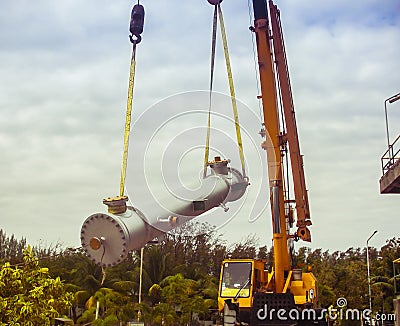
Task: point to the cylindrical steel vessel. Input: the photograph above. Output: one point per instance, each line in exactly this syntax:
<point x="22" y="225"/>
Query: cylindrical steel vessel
<point x="107" y="238"/>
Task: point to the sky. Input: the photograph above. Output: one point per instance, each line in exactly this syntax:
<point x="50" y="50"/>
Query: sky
<point x="64" y="70"/>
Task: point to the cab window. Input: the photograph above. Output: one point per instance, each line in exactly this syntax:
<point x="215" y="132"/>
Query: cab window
<point x="236" y="279"/>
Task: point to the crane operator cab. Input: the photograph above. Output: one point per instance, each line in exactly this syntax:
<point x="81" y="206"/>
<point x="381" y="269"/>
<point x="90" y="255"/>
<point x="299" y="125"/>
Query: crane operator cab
<point x="240" y="279"/>
<point x="236" y="279"/>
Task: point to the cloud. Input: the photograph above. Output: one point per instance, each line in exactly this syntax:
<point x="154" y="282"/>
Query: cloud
<point x="63" y="85"/>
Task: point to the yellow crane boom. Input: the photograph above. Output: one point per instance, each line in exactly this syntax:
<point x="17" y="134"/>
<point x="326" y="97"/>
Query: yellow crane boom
<point x="249" y="293"/>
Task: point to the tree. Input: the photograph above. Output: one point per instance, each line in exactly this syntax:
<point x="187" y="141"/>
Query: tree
<point x="384" y="286"/>
<point x="154" y="266"/>
<point x="193" y="248"/>
<point x="29" y="296"/>
<point x="112" y="306"/>
<point x="155" y="294"/>
<point x="188" y="296"/>
<point x="247" y="248"/>
<point x="11" y="249"/>
<point x="80" y="276"/>
<point x="163" y="314"/>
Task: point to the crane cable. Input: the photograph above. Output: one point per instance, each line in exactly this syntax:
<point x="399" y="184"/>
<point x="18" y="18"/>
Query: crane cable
<point x="232" y="89"/>
<point x="218" y="12"/>
<point x="128" y="119"/>
<point x="213" y="43"/>
<point x="136" y="29"/>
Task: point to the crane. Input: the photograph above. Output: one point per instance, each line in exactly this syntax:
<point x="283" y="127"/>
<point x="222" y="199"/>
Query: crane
<point x="248" y="293"/>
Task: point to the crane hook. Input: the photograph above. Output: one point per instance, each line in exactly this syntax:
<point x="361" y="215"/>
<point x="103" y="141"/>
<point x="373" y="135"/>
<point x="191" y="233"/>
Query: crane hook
<point x="135" y="41"/>
<point x="136" y="23"/>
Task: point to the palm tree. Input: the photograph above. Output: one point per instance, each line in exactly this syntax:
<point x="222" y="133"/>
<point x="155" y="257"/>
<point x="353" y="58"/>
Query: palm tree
<point x="155" y="264"/>
<point x="164" y="314"/>
<point x="385" y="288"/>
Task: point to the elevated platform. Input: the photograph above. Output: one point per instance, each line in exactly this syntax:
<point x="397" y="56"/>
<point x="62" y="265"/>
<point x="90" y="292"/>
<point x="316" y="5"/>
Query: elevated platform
<point x="390" y="181"/>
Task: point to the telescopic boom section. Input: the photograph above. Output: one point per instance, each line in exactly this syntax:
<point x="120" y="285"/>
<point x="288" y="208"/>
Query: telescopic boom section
<point x="272" y="142"/>
<point x="291" y="136"/>
<point x="275" y="86"/>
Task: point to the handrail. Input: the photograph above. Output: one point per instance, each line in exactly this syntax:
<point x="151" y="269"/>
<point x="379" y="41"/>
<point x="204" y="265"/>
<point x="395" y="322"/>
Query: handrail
<point x="390" y="156"/>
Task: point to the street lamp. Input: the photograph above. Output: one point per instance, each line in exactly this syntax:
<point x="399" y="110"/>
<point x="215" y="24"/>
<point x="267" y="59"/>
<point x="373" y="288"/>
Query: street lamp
<point x="140" y="282"/>
<point x="369" y="277"/>
<point x="391" y="100"/>
<point x="141" y="275"/>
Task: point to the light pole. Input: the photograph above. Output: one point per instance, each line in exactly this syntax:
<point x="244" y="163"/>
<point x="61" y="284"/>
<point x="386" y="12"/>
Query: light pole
<point x="391" y="99"/>
<point x="140" y="281"/>
<point x="141" y="275"/>
<point x="369" y="277"/>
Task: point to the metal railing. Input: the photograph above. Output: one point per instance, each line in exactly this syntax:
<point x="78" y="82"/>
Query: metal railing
<point x="391" y="155"/>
